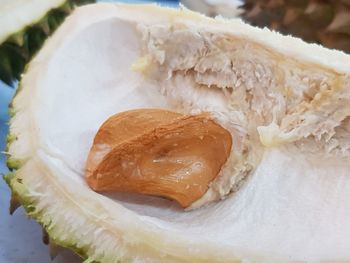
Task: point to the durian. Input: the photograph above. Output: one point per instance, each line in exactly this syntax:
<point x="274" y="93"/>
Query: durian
<point x="324" y="22"/>
<point x="282" y="195"/>
<point x="24" y="27"/>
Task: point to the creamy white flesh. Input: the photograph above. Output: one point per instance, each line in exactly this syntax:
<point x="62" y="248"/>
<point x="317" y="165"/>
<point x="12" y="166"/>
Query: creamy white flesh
<point x="295" y="206"/>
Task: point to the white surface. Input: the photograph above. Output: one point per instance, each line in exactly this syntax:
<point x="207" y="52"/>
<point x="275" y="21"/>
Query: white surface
<point x="20" y="238"/>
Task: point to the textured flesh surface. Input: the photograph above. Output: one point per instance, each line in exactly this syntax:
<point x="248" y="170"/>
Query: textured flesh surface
<point x="294" y="207"/>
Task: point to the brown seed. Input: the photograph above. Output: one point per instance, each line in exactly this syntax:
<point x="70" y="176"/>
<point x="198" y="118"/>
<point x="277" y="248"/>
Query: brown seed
<point x="158" y="152"/>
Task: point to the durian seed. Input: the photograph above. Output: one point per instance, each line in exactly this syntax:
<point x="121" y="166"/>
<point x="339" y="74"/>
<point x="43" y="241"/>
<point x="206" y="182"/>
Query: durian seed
<point x="158" y="152"/>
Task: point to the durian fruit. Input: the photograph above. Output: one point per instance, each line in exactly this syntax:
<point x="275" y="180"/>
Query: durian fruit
<point x="24" y="25"/>
<point x="282" y="195"/>
<point x="226" y="8"/>
<point x="326" y="22"/>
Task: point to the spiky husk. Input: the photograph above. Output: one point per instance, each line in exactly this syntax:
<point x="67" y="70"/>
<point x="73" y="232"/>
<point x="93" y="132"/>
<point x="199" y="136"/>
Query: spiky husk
<point x="19" y="198"/>
<point x="326" y="22"/>
<point x="15" y="53"/>
<point x="20" y="47"/>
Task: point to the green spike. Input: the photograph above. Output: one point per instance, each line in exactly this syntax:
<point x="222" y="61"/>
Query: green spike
<point x="10" y="138"/>
<point x="67" y="7"/>
<point x="54" y="249"/>
<point x="346" y="2"/>
<point x="14" y="204"/>
<point x="321" y="14"/>
<point x="340" y="24"/>
<point x="298" y="3"/>
<point x="44" y="25"/>
<point x="13" y="164"/>
<point x="16" y="39"/>
<point x="11" y="112"/>
<point x="45" y="237"/>
<point x="24" y="44"/>
<point x="335" y="40"/>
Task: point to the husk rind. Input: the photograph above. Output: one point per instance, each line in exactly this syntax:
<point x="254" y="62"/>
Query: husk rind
<point x="23" y="199"/>
<point x="12" y="64"/>
<point x="324" y="22"/>
<point x="20" y="47"/>
<point x="13" y="163"/>
<point x="20" y="197"/>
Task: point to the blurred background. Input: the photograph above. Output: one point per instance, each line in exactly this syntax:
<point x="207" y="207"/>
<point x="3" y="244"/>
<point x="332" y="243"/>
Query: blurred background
<point x="325" y="22"/>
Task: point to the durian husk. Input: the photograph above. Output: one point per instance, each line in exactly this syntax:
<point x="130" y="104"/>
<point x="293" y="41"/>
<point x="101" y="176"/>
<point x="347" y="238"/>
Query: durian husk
<point x="18" y="48"/>
<point x="324" y="22"/>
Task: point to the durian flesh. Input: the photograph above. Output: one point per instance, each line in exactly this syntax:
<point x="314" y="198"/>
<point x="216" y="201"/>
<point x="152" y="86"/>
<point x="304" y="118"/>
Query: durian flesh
<point x="285" y="102"/>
